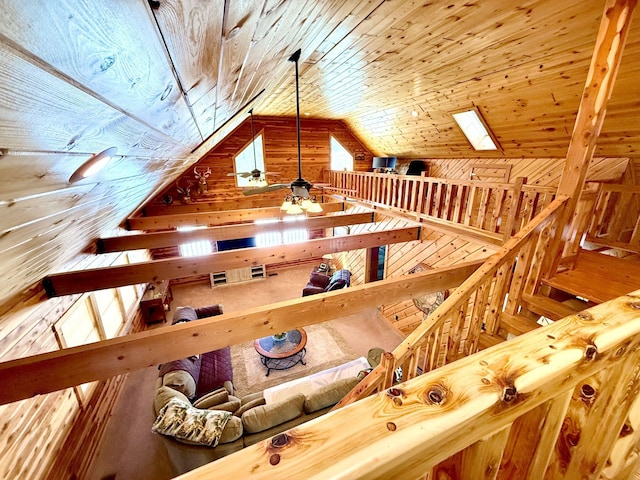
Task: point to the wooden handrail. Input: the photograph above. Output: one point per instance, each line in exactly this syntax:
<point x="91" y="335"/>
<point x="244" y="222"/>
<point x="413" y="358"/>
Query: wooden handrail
<point x="406" y="355"/>
<point x="613" y="215"/>
<point x="493" y="207"/>
<point x="572" y="386"/>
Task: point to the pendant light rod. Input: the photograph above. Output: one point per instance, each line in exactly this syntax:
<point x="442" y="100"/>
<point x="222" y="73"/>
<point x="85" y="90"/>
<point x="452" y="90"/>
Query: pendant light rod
<point x="253" y="143"/>
<point x="294" y="58"/>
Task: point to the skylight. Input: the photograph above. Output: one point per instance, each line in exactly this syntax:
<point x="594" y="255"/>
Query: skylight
<point x="475" y="130"/>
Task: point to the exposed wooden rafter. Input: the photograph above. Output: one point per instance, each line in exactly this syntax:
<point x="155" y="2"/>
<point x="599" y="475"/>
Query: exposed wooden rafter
<point x="165" y="239"/>
<point x="215" y="218"/>
<point x="48" y="372"/>
<point x="108" y="277"/>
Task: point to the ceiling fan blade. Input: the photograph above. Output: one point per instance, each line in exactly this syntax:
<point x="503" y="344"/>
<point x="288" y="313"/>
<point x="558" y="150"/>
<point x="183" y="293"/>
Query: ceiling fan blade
<point x="268" y="188"/>
<point x="235" y="174"/>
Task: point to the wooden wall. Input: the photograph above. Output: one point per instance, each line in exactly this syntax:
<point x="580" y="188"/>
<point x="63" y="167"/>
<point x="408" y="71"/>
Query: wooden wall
<point x="280" y="154"/>
<point x="51" y="436"/>
<point x="538" y="171"/>
<point x="434" y="249"/>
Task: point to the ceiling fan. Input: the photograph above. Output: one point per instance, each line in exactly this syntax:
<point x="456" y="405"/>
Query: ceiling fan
<point x="257" y="177"/>
<point x="299" y="187"/>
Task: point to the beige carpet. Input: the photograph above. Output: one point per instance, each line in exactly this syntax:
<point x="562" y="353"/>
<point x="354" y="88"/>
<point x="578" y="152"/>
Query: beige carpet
<point x="325" y="349"/>
<point x="129" y="450"/>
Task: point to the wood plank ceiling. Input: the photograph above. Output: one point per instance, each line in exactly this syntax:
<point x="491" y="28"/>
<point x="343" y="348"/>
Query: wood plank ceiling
<point x="164" y="83"/>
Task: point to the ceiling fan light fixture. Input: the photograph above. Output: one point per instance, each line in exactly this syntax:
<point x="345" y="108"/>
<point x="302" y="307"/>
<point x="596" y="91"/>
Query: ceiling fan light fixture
<point x="315" y="207"/>
<point x="305" y="203"/>
<point x="294" y="209"/>
<point x="287" y="203"/>
<point x="258" y="182"/>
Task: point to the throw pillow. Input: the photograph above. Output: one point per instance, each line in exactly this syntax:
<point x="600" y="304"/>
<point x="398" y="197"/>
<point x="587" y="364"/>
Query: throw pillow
<point x="184" y="314"/>
<point x="336" y="285"/>
<point x="212" y="399"/>
<point x="163" y="395"/>
<point x="180" y="420"/>
<point x="264" y="417"/>
<point x="339" y="279"/>
<point x="249" y="405"/>
<point x="328" y="395"/>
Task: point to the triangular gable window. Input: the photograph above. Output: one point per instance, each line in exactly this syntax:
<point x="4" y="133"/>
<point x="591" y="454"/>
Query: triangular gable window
<point x="244" y="161"/>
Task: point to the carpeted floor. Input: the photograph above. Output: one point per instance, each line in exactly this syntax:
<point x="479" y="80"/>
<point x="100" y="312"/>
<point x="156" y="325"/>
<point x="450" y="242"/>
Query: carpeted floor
<point x="129" y="450"/>
<point x="325" y="348"/>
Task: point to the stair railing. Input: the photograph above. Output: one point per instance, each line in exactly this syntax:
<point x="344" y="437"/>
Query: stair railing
<point x="491" y="294"/>
<point x="615" y="222"/>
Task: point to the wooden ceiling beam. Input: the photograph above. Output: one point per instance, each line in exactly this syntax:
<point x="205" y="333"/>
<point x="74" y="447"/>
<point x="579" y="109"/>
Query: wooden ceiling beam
<point x="215" y="218"/>
<point x="80" y="281"/>
<point x="48" y="372"/>
<point x="152" y="210"/>
<point x="226" y="232"/>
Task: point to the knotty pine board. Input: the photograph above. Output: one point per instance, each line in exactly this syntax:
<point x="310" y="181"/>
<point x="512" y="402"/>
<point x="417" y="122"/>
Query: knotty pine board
<point x="538" y="171"/>
<point x="280" y="157"/>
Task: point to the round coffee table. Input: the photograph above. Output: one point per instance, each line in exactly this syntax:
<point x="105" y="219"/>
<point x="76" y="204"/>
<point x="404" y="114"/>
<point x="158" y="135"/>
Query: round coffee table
<point x="280" y="354"/>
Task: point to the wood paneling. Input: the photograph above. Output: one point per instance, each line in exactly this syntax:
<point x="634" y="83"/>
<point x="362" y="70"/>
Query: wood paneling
<point x="66" y="435"/>
<point x="280" y="156"/>
<point x="538" y="171"/>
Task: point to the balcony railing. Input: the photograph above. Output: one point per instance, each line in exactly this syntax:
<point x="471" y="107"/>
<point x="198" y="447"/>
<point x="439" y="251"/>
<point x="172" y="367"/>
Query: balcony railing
<point x="498" y="209"/>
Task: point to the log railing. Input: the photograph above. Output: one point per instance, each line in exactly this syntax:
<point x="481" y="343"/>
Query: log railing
<point x="616" y="220"/>
<point x="493" y="293"/>
<point x="560" y="402"/>
<point x="496" y="208"/>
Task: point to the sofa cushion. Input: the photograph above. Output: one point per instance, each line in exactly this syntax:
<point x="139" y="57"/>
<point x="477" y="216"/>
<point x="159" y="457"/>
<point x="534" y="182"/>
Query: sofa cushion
<point x="266" y="416"/>
<point x="215" y="369"/>
<point x="328" y="395"/>
<point x="180" y="420"/>
<point x="311" y="290"/>
<point x="209" y="311"/>
<point x="232" y="431"/>
<point x="249" y="405"/>
<point x="251" y="397"/>
<point x="319" y="279"/>
<point x="211" y="399"/>
<point x="163" y="395"/>
<point x="231" y="405"/>
<point x="181" y="381"/>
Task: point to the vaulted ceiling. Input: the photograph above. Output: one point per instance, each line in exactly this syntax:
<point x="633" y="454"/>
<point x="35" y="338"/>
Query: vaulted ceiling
<point x="164" y="81"/>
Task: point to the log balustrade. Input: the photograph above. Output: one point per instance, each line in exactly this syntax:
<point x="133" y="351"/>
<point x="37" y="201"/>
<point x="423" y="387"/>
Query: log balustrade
<point x="496" y="208"/>
<point x="560" y="402"/>
<point x="492" y="294"/>
<point x="616" y="221"/>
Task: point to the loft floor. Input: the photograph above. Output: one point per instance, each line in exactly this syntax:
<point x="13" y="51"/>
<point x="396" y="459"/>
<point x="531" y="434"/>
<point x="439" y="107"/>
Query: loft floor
<point x="598" y="277"/>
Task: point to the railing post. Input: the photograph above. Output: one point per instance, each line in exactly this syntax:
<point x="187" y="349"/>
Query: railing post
<point x="387" y="362"/>
<point x="582" y="216"/>
<point x="421" y="194"/>
<point x="514" y="208"/>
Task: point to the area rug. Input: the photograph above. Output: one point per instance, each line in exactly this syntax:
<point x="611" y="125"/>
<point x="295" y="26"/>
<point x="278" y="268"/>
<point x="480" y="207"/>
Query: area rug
<point x="325" y="349"/>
